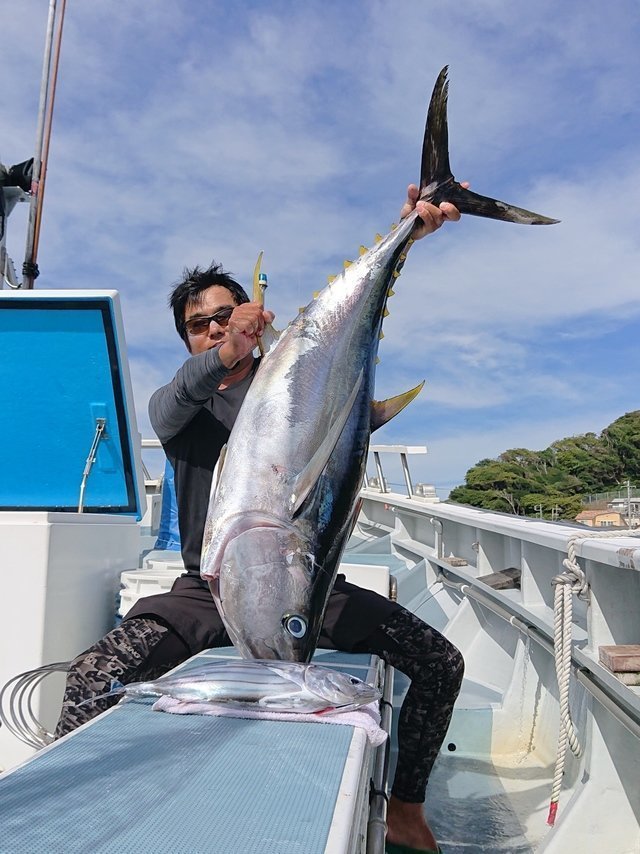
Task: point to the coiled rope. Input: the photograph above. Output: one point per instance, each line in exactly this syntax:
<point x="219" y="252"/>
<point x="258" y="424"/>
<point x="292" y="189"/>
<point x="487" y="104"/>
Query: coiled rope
<point x="16" y="705"/>
<point x="572" y="581"/>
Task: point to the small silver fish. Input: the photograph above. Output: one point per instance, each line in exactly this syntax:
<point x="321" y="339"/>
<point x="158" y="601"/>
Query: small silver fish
<point x="282" y="686"/>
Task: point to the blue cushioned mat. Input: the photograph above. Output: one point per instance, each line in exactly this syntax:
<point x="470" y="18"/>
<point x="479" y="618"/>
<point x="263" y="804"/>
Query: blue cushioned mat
<point x="135" y="780"/>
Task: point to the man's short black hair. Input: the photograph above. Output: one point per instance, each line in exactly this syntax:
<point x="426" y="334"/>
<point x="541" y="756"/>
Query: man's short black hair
<point x="188" y="292"/>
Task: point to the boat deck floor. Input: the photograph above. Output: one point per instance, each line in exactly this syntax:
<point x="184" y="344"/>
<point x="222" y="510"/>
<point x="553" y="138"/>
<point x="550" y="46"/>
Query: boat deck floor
<point x="480" y="803"/>
<point x="476" y="807"/>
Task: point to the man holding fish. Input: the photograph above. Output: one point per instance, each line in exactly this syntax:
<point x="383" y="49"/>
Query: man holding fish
<point x="261" y="543"/>
<point x="193" y="416"/>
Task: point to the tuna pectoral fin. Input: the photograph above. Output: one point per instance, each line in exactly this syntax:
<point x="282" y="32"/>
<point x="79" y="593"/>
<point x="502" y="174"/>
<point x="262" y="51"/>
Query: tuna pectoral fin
<point x="217" y="471"/>
<point x="308" y="477"/>
<point x="437" y="183"/>
<point x="383" y="411"/>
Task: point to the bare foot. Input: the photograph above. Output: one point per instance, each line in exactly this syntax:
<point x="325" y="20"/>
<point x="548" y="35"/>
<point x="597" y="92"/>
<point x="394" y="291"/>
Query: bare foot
<point x="406" y="825"/>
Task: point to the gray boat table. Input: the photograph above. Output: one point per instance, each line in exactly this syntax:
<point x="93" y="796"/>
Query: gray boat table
<point x="134" y="780"/>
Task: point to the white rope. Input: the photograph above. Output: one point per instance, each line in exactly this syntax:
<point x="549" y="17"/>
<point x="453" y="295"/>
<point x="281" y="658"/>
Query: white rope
<point x="566" y="584"/>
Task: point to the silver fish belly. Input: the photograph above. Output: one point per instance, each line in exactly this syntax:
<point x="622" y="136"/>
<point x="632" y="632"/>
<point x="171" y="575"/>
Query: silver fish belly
<point x="281" y="506"/>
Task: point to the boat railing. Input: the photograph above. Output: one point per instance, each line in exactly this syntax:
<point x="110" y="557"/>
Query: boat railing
<point x="465" y="547"/>
<point x="380" y="482"/>
<point x="152" y="482"/>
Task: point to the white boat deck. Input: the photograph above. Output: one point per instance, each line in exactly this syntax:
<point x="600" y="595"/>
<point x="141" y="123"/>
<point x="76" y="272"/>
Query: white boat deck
<point x="491" y="785"/>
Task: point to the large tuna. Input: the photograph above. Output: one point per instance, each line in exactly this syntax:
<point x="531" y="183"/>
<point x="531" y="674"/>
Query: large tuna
<point x="282" y="501"/>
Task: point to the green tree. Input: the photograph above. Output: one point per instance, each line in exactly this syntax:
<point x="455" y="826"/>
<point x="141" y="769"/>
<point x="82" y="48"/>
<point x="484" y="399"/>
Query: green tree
<point x="589" y="459"/>
<point x="555" y="506"/>
<point x="520" y="480"/>
<point x="623" y="438"/>
<point x="537" y="462"/>
<point x="497" y="475"/>
<point x="488" y="499"/>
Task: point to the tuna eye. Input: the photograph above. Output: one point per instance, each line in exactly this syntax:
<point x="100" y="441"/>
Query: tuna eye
<point x="295" y="625"/>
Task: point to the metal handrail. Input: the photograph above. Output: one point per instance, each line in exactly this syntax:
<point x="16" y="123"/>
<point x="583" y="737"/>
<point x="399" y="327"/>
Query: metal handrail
<point x="403" y="451"/>
<point x="586" y="677"/>
<point x="377" y="825"/>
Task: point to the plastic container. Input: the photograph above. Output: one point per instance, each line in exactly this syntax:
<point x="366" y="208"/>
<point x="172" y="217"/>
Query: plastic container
<point x="146" y="582"/>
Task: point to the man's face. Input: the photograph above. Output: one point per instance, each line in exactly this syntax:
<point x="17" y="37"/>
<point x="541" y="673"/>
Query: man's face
<point x="215" y="299"/>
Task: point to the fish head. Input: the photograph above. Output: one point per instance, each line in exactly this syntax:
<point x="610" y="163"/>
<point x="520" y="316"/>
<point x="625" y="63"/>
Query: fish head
<point x="339" y="690"/>
<point x="265" y="589"/>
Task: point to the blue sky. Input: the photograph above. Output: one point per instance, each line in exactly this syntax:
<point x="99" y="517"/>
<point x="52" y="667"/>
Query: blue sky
<point x="190" y="131"/>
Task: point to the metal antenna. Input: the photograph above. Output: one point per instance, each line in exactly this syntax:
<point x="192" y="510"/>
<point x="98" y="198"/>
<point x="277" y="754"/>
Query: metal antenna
<point x="43" y="136"/>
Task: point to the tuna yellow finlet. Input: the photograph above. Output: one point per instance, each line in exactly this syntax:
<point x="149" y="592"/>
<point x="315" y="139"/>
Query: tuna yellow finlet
<point x="378" y="238"/>
<point x="347" y="264"/>
<point x="331" y="279"/>
<point x="363" y="250"/>
<point x="316" y="294"/>
<point x="391" y="292"/>
<point x="385" y="313"/>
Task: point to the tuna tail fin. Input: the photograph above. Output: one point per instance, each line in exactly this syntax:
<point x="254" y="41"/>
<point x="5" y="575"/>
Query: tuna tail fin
<point x="437" y="183"/>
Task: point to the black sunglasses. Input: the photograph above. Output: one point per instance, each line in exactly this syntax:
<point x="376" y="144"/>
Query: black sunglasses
<point x="200" y="325"/>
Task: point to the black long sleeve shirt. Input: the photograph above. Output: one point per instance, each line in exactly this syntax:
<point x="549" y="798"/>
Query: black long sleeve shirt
<point x="193" y="418"/>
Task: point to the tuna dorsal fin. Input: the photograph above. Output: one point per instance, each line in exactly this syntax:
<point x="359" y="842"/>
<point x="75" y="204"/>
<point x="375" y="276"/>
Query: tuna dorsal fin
<point x="270" y="335"/>
<point x="308" y="477"/>
<point x="383" y="411"/>
<point x="259" y="284"/>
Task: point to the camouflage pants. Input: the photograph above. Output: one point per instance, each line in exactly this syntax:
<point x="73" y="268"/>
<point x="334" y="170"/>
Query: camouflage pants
<point x="138" y="649"/>
<point x="435" y="668"/>
<point x="143" y="648"/>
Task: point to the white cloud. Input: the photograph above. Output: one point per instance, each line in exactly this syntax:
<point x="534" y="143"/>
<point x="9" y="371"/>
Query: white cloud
<point x="186" y="132"/>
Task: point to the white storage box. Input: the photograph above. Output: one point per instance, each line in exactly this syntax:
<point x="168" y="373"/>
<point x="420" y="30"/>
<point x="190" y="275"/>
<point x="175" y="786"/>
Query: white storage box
<point x="145" y="582"/>
<point x="371" y="576"/>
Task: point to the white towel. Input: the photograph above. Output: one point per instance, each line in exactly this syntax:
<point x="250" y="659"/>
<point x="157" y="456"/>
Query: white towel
<point x="366" y="717"/>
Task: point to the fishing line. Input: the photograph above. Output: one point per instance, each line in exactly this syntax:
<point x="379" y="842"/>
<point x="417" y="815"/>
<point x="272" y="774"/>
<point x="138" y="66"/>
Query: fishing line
<point x="116" y="688"/>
